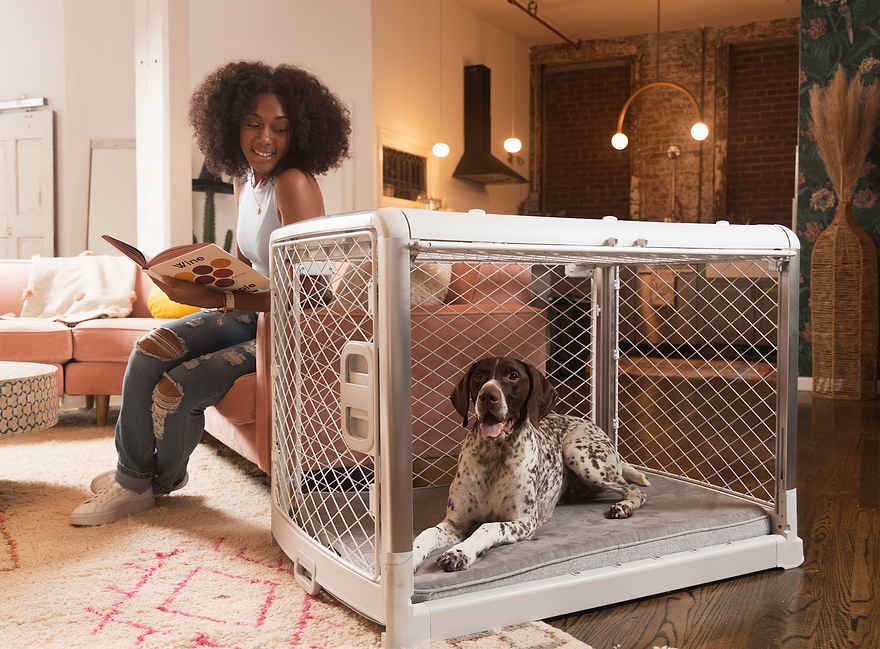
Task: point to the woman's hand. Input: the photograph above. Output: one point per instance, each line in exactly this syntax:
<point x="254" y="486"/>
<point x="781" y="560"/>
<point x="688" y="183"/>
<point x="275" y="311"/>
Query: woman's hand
<point x="189" y="293"/>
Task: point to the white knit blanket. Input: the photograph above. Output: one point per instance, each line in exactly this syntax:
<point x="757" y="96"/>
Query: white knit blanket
<point x="73" y="289"/>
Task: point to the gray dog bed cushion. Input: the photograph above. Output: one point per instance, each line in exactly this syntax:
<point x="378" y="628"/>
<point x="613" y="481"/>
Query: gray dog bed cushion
<point x="677" y="517"/>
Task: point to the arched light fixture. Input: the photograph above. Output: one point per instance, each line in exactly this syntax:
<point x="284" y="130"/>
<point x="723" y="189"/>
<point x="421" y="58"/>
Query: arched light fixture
<point x="699" y="131"/>
<point x="440" y="149"/>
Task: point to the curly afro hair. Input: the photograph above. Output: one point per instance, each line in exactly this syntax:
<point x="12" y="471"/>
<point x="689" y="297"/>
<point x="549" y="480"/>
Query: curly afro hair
<point x="319" y="122"/>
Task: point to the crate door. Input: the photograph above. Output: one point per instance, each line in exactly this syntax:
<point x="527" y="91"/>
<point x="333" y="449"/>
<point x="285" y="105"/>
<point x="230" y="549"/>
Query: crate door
<point x="324" y="388"/>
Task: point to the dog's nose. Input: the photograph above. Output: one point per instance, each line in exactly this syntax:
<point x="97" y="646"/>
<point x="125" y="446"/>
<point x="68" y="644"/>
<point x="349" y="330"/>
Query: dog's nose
<point x="489" y="395"/>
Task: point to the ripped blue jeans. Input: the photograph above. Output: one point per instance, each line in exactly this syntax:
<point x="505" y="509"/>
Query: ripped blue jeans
<point x="174" y="373"/>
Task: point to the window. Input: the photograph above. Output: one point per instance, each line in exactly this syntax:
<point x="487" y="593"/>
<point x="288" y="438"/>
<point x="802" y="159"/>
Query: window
<point x="404" y="175"/>
<point x="406" y="170"/>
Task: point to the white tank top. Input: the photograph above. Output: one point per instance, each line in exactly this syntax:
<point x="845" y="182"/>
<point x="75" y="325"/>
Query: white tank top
<point x="253" y="230"/>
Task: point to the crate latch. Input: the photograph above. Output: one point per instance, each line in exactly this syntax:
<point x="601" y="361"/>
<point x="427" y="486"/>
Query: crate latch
<point x="357" y="404"/>
<point x="304" y="573"/>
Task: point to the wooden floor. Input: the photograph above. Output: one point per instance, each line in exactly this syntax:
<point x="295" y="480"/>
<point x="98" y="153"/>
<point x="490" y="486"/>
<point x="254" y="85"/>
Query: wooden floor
<point x="832" y="601"/>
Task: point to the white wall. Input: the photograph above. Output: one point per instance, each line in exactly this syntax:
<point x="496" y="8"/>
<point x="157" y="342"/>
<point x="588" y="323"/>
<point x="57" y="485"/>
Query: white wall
<point x="99" y="85"/>
<point x="406" y="89"/>
<point x="81" y="61"/>
<point x="32" y="63"/>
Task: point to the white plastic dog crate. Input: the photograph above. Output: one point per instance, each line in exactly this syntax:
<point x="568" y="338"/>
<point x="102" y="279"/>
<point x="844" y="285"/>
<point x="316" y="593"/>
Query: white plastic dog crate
<point x="679" y="340"/>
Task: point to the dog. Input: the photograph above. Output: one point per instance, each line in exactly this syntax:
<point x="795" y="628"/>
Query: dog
<point x="517" y="461"/>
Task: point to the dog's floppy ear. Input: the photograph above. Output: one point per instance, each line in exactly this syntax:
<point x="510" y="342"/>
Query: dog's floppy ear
<point x="542" y="395"/>
<point x="461" y="395"/>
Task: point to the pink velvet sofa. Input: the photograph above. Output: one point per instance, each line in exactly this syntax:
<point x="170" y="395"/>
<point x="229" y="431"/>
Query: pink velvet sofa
<point x="92" y="357"/>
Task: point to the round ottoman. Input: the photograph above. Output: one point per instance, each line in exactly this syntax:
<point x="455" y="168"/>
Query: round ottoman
<point x="28" y="397"/>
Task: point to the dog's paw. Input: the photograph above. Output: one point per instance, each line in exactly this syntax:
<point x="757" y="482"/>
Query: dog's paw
<point x="454" y="560"/>
<point x="621" y="510"/>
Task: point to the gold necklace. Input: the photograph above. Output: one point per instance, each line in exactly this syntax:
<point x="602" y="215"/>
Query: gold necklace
<point x="256" y="200"/>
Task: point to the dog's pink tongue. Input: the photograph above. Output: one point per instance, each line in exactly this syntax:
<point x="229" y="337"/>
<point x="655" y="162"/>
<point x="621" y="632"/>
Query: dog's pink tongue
<point x="491" y="430"/>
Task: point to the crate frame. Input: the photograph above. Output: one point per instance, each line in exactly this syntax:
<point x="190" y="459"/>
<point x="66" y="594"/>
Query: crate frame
<point x="400" y="235"/>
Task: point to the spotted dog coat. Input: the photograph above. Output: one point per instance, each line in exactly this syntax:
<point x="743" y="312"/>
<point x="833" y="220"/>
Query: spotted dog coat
<point x="517" y="462"/>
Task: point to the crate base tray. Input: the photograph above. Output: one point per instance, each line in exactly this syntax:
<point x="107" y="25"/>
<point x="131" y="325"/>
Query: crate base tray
<point x="678" y="517"/>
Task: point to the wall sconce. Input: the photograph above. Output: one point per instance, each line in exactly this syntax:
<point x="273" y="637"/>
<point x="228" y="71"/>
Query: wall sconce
<point x="511" y="158"/>
<point x="699" y="131"/>
<point x="512" y="145"/>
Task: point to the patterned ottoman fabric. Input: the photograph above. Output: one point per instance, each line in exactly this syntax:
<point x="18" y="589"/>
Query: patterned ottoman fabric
<point x="28" y="397"/>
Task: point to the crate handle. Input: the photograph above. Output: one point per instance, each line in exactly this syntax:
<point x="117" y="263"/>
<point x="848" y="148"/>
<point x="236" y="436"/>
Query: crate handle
<point x="357" y="403"/>
<point x="304" y="573"/>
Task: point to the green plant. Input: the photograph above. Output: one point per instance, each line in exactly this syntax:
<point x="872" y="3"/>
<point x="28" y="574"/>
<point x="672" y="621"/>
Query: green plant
<point x="209" y="224"/>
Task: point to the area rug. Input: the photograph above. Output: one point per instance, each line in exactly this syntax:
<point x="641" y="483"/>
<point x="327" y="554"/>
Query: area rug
<point x="197" y="571"/>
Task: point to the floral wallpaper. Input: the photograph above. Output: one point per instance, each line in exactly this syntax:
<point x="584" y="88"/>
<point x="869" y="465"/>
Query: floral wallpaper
<point x="834" y="32"/>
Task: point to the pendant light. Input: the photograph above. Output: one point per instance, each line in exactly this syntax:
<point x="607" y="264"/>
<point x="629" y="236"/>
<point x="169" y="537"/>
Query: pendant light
<point x="512" y="144"/>
<point x="440" y="149"/>
<point x="699" y="131"/>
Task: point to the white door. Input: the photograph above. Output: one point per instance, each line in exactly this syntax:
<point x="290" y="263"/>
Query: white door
<point x="27" y="185"/>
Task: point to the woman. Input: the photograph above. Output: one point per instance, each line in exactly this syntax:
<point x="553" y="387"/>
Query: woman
<point x="273" y="131"/>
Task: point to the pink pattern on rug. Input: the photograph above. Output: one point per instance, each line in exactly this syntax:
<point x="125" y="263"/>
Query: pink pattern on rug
<point x="261" y="618"/>
<point x="12" y="552"/>
<point x="106" y="618"/>
<point x="282" y="565"/>
<point x="155" y="563"/>
<point x="304" y="618"/>
<point x="203" y="641"/>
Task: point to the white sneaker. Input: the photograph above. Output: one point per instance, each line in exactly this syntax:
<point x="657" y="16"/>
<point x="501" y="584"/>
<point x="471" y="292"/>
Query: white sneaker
<point x="103" y="479"/>
<point x="110" y="504"/>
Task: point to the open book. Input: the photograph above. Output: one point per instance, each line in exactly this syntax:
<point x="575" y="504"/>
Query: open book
<point x="202" y="263"/>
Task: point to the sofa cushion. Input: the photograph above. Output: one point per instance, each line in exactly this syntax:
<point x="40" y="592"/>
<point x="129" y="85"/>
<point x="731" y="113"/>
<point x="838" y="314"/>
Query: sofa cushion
<point x="15" y="274"/>
<point x="94" y="378"/>
<point x="142" y="286"/>
<point x="239" y="405"/>
<point x="37" y="341"/>
<point x="490" y="284"/>
<point x="162" y="306"/>
<point x="110" y="339"/>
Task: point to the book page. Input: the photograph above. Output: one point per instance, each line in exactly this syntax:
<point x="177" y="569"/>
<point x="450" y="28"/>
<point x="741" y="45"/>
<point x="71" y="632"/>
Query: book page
<point x="177" y="251"/>
<point x="127" y="249"/>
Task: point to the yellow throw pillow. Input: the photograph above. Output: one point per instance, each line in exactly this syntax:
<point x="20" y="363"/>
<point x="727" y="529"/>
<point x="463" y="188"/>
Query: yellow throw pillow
<point x="161" y="306"/>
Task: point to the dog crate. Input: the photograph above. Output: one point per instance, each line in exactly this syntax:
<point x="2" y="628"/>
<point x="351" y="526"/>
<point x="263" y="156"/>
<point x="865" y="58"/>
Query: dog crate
<point x="679" y="340"/>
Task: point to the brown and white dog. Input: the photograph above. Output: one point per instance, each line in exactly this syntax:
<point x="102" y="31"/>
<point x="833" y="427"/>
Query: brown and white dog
<point x="516" y="463"/>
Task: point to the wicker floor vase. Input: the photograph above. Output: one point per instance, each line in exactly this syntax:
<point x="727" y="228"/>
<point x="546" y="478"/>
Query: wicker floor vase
<point x="843" y="299"/>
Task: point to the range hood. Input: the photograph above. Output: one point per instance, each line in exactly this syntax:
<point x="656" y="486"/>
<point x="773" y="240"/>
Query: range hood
<point x="478" y="164"/>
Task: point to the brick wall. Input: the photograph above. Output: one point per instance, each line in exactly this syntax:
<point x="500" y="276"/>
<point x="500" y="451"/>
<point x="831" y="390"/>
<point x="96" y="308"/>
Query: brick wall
<point x="762" y="132"/>
<point x="584" y="175"/>
<point x="699" y="60"/>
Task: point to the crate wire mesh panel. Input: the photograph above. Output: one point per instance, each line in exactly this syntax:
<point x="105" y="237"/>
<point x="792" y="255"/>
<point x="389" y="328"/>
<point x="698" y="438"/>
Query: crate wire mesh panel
<point x="674" y="351"/>
<point x="323" y="484"/>
<point x="697" y="394"/>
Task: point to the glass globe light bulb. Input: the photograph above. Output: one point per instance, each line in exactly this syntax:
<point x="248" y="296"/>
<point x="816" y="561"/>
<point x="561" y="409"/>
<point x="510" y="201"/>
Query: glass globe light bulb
<point x="512" y="144"/>
<point x="441" y="149"/>
<point x="619" y="141"/>
<point x="699" y="131"/>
